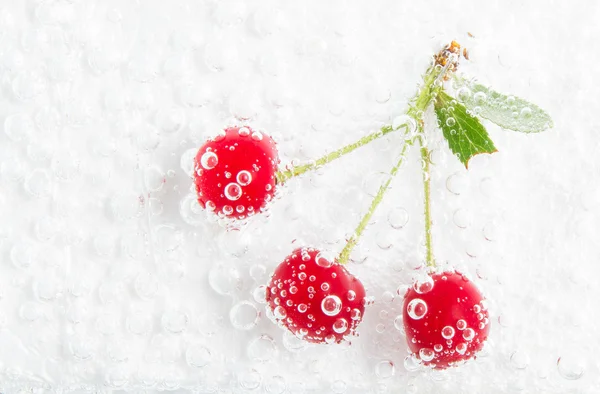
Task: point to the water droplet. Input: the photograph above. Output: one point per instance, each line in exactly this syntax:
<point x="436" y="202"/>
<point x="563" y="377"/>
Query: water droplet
<point x="209" y="160"/>
<point x="340" y="326"/>
<point x="331" y="305"/>
<point x="244" y="315"/>
<point x="450" y="122"/>
<point x="244" y="178"/>
<point x="426" y="354"/>
<point x="468" y="334"/>
<point x="416" y="309"/>
<point x="448" y="332"/>
<point x="461" y="348"/>
<point x="385" y="369"/>
<point x="461" y="324"/>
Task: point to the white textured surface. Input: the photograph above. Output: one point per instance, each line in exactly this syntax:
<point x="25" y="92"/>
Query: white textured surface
<point x="109" y="280"/>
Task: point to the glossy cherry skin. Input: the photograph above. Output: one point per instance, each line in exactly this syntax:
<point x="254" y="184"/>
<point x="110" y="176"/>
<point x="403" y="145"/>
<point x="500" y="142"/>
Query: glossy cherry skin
<point x="316" y="299"/>
<point x="235" y="172"/>
<point x="445" y="319"/>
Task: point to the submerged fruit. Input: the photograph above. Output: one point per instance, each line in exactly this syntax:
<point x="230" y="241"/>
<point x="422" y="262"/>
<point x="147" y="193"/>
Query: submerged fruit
<point x="446" y="319"/>
<point x="316" y="299"/>
<point x="235" y="172"/>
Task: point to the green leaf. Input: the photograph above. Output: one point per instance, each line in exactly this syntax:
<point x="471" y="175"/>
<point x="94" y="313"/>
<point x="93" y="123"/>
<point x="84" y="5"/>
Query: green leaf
<point x="509" y="112"/>
<point x="465" y="134"/>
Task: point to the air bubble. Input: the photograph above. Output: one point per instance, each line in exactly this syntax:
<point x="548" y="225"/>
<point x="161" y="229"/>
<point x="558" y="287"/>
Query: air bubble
<point x="244" y="315"/>
<point x="526" y="112"/>
<point x="260" y="294"/>
<point x="262" y="349"/>
<point x="355" y="314"/>
<point x="423" y="284"/>
<point x="198" y="356"/>
<point x="209" y="160"/>
<point x="302" y="308"/>
<point x="464" y="93"/>
<point x="233" y="192"/>
<point x="461" y="348"/>
<point x="448" y="332"/>
<point x="175" y="321"/>
<point x="244" y="178"/>
<point x="257" y="136"/>
<point x="468" y="334"/>
<point x="461" y="324"/>
<point x="351" y="295"/>
<point x="322" y="261"/>
<point x="244" y="131"/>
<point x="279" y="312"/>
<point x="397" y="218"/>
<point x="340" y="326"/>
<point x="331" y="305"/>
<point x="570" y="367"/>
<point x="325" y="286"/>
<point x="385" y="369"/>
<point x="416" y="309"/>
<point x="438" y="348"/>
<point x="450" y="122"/>
<point x="426" y="354"/>
<point x="480" y="98"/>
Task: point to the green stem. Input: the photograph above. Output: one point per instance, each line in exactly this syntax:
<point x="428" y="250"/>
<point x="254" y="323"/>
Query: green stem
<point x="429" y="259"/>
<point x="345" y="254"/>
<point x="418" y="105"/>
<point x="283" y="176"/>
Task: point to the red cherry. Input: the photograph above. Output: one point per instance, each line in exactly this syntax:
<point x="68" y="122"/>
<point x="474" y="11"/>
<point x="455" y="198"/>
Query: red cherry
<point x="445" y="319"/>
<point x="314" y="298"/>
<point x="235" y="172"/>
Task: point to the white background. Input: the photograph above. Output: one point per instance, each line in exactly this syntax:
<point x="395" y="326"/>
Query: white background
<point x="109" y="279"/>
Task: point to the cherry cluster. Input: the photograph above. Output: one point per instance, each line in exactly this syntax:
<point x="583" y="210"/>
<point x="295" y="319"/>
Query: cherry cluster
<point x="316" y="298"/>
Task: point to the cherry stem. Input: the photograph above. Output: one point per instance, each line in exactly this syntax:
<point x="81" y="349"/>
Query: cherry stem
<point x="426" y="161"/>
<point x="283" y="176"/>
<point x="432" y="85"/>
<point x="345" y="254"/>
